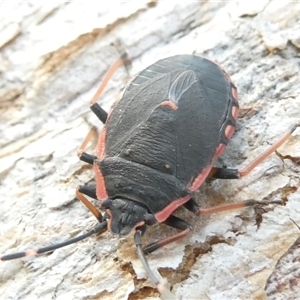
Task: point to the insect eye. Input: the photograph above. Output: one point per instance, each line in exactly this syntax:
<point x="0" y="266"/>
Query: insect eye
<point x="149" y="219"/>
<point x="106" y="203"/>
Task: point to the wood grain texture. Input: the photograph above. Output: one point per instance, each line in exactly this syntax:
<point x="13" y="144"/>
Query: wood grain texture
<point x="52" y="57"/>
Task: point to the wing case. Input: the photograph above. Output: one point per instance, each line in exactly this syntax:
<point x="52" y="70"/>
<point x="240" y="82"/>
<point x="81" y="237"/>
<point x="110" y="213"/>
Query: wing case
<point x="179" y="140"/>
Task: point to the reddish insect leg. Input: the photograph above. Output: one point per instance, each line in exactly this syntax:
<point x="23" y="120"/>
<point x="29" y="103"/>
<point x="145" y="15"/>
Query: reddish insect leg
<point x="174" y="222"/>
<point x="85" y="189"/>
<point x="195" y="208"/>
<point x="225" y="173"/>
<point x="88" y="190"/>
<point x="87" y="203"/>
<point x="98" y="110"/>
<point x="88" y="158"/>
<point x="94" y="106"/>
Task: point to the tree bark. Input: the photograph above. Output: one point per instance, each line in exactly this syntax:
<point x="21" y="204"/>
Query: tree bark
<point x="52" y="58"/>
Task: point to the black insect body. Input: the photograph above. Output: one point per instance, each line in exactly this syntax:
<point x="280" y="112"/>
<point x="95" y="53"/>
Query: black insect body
<point x="148" y="155"/>
<point x="158" y="145"/>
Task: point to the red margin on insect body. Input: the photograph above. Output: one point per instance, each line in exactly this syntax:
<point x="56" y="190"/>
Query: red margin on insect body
<point x="229" y="130"/>
<point x="200" y="178"/>
<point x="234" y="93"/>
<point x="101" y="144"/>
<point x="167" y="211"/>
<point x="101" y="192"/>
<point x="235" y="112"/>
<point x="170" y="104"/>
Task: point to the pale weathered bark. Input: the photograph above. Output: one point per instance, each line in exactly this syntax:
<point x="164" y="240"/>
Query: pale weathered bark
<point x="52" y="57"/>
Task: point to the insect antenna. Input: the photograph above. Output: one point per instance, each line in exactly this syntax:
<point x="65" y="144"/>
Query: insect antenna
<point x="100" y="228"/>
<point x="295" y="223"/>
<point x="163" y="290"/>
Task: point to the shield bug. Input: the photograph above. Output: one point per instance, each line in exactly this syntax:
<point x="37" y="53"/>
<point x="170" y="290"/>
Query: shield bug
<point x="158" y="145"/>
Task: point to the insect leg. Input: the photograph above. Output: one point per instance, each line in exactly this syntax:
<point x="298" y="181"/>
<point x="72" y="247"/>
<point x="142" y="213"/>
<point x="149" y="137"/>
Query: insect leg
<point x="98" y="110"/>
<point x="94" y="106"/>
<point x="90" y="191"/>
<point x="165" y="293"/>
<point x="88" y="158"/>
<point x="195" y="208"/>
<point x="173" y="222"/>
<point x="225" y="173"/>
